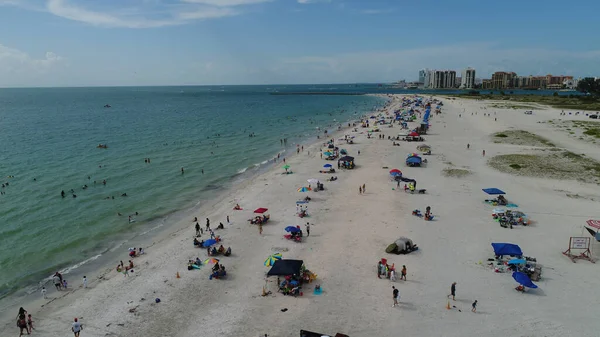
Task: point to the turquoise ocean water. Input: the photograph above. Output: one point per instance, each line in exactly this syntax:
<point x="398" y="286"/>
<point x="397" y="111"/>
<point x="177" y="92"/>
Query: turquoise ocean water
<point x="49" y="143"/>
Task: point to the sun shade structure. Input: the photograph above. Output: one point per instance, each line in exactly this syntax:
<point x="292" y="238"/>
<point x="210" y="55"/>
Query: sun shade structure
<point x="286" y="267"/>
<point x="507" y="249"/>
<point x="346" y="158"/>
<point x="493" y="191"/>
<point x="260" y="210"/>
<point x="523" y="280"/>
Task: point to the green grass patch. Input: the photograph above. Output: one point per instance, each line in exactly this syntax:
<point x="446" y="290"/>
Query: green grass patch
<point x="455" y="172"/>
<point x="520" y="137"/>
<point x="553" y="164"/>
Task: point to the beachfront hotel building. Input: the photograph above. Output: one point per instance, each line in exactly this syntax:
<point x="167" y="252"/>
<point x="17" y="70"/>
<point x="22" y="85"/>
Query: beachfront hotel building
<point x="503" y="80"/>
<point x="439" y="79"/>
<point x="510" y="80"/>
<point x="467" y="80"/>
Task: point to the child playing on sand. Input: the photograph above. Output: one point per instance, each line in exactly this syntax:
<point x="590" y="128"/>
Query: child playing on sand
<point x="29" y="323"/>
<point x="64" y="284"/>
<point x="474" y="305"/>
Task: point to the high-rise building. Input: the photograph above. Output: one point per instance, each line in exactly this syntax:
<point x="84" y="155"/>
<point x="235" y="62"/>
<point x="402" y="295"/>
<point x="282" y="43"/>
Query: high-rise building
<point x="468" y="79"/>
<point x="503" y="80"/>
<point x="449" y="79"/>
<point x="422" y="74"/>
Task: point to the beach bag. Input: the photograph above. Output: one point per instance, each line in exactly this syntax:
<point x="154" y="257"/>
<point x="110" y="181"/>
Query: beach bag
<point x="391" y="248"/>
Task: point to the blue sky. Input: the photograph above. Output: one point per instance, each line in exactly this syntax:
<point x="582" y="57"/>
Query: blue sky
<point x="172" y="42"/>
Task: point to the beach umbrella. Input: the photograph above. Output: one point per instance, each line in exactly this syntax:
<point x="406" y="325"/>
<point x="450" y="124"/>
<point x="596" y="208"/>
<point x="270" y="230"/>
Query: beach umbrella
<point x="327" y="165"/>
<point x="517" y="261"/>
<point x="327" y="153"/>
<point x="394" y="174"/>
<point x="272" y="258"/>
<point x="395" y="171"/>
<point x="211" y="260"/>
<point x="292" y="229"/>
<point x="303" y="189"/>
<point x="523" y="280"/>
<point x="209" y="242"/>
<point x="313" y="181"/>
<point x="285" y="167"/>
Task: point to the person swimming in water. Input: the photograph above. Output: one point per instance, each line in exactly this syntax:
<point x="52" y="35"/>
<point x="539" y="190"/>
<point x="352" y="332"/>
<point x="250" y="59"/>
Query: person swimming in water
<point x="62" y="193"/>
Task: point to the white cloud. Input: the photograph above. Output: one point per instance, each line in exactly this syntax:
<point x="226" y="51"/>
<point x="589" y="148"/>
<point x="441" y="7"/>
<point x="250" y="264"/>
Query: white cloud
<point x="226" y="3"/>
<point x="304" y="2"/>
<point x="134" y="18"/>
<point x="18" y="68"/>
<point x="377" y="66"/>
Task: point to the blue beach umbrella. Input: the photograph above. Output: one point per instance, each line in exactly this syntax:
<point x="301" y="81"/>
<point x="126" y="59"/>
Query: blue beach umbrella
<point x="523" y="280"/>
<point x="209" y="242"/>
<point x="291" y="229"/>
<point x="517" y="261"/>
<point x="327" y="165"/>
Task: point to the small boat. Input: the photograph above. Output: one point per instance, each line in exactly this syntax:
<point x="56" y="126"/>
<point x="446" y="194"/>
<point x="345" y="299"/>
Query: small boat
<point x="102" y="146"/>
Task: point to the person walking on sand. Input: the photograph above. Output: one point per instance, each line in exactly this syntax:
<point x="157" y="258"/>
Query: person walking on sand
<point x="84" y="281"/>
<point x="403" y="273"/>
<point x="364" y="190"/>
<point x="44" y="293"/>
<point x="76" y="327"/>
<point x="474" y="306"/>
<point x="307" y="229"/>
<point x="396" y="295"/>
<point x="483" y="153"/>
<point x="260" y="228"/>
<point x="197" y="229"/>
<point x="228" y="222"/>
<point x="468" y="146"/>
<point x="453" y="291"/>
<point x="359" y="189"/>
<point x="207" y="224"/>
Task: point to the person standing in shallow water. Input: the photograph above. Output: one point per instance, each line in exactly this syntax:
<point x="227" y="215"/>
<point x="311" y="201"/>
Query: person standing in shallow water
<point x="182" y="170"/>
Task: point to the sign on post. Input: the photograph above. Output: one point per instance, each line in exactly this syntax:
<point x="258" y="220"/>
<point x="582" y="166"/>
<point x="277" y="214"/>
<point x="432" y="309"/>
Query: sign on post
<point x="580" y="244"/>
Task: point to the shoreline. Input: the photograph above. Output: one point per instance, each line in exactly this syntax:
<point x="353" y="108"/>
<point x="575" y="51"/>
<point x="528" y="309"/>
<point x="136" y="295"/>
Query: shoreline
<point x="158" y="231"/>
<point x="349" y="234"/>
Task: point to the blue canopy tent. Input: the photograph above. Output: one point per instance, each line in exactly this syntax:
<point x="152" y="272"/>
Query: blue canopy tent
<point x="493" y="191"/>
<point x="523" y="280"/>
<point x="507" y="249"/>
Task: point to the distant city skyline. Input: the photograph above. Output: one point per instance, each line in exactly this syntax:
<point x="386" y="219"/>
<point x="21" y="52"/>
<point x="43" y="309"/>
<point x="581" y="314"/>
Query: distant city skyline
<point x="222" y="42"/>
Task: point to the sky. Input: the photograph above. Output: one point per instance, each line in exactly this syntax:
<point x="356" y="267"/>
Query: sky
<point x="51" y="43"/>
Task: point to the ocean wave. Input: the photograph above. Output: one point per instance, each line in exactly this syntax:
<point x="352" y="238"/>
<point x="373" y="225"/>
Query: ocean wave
<point x="77" y="265"/>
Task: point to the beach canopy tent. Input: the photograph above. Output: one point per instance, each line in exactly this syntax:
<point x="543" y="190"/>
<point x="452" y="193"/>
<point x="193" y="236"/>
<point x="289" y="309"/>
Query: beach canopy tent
<point x="523" y="280"/>
<point x="414" y="161"/>
<point x="346" y="158"/>
<point x="260" y="210"/>
<point x="507" y="249"/>
<point x="403" y="242"/>
<point x="285" y="268"/>
<point x="423" y="147"/>
<point x="493" y="191"/>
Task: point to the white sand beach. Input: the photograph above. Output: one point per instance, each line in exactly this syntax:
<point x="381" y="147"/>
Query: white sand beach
<point x="349" y="234"/>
